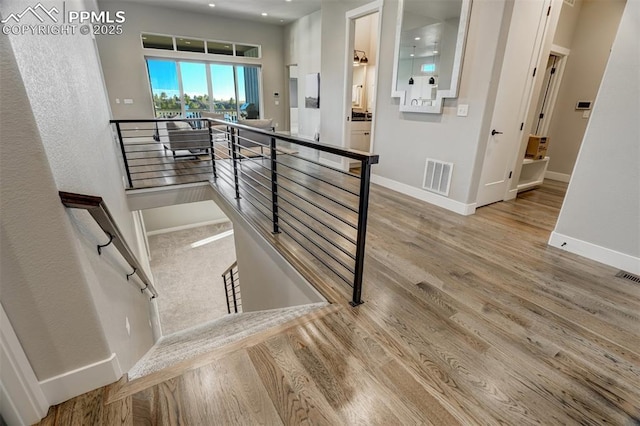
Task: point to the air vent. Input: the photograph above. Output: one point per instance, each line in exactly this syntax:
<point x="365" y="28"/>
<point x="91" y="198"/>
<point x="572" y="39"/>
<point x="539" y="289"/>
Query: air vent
<point x="628" y="276"/>
<point x="437" y="176"/>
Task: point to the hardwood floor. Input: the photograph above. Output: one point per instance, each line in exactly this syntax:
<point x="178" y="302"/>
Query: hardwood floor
<point x="466" y="320"/>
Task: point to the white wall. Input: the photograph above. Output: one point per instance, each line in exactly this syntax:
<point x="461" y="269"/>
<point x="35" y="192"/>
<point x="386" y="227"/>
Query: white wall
<point x="567" y="24"/>
<point x="590" y="45"/>
<point x="124" y="64"/>
<point x="302" y="48"/>
<point x="182" y="216"/>
<point x="267" y="281"/>
<point x="600" y="217"/>
<point x="67" y="305"/>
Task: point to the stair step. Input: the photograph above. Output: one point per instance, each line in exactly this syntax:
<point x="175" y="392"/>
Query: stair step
<point x="190" y="343"/>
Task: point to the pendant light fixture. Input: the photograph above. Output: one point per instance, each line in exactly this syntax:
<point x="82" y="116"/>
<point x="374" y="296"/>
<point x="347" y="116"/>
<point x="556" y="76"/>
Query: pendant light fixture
<point x="432" y="79"/>
<point x="413" y="57"/>
<point x="358" y="60"/>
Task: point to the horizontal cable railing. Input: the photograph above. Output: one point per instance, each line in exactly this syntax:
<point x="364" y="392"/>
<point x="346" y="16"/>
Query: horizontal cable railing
<point x="98" y="210"/>
<point x="231" y="282"/>
<point x="317" y="195"/>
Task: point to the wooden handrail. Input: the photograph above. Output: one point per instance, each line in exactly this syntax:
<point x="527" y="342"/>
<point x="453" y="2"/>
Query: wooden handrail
<point x="97" y="208"/>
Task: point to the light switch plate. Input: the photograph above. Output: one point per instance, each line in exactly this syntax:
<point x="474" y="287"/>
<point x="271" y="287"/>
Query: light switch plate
<point x="128" y="101"/>
<point x="463" y="110"/>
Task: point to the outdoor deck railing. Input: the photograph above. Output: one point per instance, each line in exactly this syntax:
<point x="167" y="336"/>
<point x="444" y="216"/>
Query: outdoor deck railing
<point x="316" y="194"/>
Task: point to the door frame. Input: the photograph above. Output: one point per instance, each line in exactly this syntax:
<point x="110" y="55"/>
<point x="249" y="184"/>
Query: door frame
<point x="563" y="54"/>
<point x="555" y="6"/>
<point x="350" y="26"/>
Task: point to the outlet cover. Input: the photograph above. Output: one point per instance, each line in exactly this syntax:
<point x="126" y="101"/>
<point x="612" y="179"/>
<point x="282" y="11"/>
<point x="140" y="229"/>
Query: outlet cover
<point x="463" y="110"/>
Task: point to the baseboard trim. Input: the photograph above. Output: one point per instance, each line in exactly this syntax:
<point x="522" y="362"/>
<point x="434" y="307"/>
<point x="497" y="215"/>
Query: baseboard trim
<point x="84" y="379"/>
<point x="429" y="197"/>
<point x="561" y="177"/>
<point x="22" y="401"/>
<point x="189" y="226"/>
<point x="594" y="252"/>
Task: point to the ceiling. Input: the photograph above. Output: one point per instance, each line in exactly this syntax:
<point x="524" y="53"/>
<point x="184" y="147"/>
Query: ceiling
<point x="280" y="12"/>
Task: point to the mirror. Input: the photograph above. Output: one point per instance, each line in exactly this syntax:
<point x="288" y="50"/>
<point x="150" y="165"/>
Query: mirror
<point x="430" y="39"/>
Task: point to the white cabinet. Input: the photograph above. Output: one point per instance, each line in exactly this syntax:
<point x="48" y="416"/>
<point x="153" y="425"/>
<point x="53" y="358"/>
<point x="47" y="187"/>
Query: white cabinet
<point x="532" y="173"/>
<point x="360" y="135"/>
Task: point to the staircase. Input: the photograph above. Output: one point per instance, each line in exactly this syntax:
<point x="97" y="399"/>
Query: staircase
<point x="187" y="344"/>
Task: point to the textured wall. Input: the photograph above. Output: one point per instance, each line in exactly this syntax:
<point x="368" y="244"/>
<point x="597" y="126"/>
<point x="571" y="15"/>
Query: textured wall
<point x="67" y="304"/>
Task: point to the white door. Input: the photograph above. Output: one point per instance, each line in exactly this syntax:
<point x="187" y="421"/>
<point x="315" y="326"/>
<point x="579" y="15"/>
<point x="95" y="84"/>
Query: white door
<point x="526" y="32"/>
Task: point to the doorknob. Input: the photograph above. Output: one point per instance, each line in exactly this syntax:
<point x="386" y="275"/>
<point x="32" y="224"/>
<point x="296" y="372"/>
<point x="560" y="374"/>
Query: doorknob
<point x="495" y="132"/>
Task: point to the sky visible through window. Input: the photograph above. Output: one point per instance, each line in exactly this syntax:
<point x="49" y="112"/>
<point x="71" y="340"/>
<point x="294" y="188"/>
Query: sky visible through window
<point x="164" y="78"/>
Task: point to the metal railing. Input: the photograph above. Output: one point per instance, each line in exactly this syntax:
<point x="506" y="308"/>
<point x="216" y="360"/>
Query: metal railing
<point x="297" y="186"/>
<point x="98" y="210"/>
<point x="232" y="289"/>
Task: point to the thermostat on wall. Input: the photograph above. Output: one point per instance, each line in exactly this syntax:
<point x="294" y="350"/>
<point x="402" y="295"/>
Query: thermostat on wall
<point x="583" y="105"/>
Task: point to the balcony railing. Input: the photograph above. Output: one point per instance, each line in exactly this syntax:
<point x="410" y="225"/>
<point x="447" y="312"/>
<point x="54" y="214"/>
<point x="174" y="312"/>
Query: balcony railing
<point x="295" y="185"/>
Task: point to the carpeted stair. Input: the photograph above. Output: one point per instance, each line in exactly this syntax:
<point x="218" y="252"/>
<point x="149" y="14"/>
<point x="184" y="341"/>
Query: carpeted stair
<point x="189" y="343"/>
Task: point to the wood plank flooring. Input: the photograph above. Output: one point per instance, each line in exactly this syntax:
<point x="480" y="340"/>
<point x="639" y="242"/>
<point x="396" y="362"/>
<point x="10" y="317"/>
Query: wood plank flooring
<point x="466" y="320"/>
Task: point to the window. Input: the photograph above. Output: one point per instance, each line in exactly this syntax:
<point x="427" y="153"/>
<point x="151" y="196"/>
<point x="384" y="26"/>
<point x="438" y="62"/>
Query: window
<point x="190" y="45"/>
<point x="151" y="41"/>
<point x="212" y="47"/>
<point x="224" y="89"/>
<point x="165" y="88"/>
<point x="195" y="88"/>
<point x="247" y="51"/>
<point x="428" y="68"/>
<point x="219" y="48"/>
<point x="187" y="88"/>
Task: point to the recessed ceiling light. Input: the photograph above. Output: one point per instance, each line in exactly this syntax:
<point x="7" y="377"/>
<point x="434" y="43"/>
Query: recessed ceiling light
<point x="288" y="1"/>
<point x="282" y="20"/>
<point x="417" y="38"/>
<point x="412" y="55"/>
<point x="435" y="52"/>
<point x="212" y="5"/>
<point x="187" y="42"/>
<point x="264" y="14"/>
<point x="144" y="38"/>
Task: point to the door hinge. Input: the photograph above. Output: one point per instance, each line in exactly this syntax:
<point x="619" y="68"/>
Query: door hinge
<point x="521" y="126"/>
<point x="541" y="116"/>
<point x="548" y="10"/>
<point x="553" y="70"/>
<point x="510" y="173"/>
<point x="534" y="72"/>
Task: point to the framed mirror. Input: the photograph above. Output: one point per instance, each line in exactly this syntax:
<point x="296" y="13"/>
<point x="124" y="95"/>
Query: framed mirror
<point x="430" y="41"/>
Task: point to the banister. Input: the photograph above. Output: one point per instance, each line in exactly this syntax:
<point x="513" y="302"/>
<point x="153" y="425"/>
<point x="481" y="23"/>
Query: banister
<point x="330" y="149"/>
<point x="98" y="210"/>
<point x="233" y="265"/>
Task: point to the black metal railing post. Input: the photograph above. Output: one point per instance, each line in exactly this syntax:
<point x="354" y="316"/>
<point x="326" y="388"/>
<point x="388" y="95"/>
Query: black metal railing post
<point x="363" y="210"/>
<point x="211" y="147"/>
<point x="274" y="187"/>
<point x="124" y="155"/>
<point x="226" y="292"/>
<point x="233" y="292"/>
<point x="234" y="156"/>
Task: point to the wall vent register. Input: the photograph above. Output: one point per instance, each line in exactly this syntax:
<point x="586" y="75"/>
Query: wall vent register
<point x="437" y="176"/>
